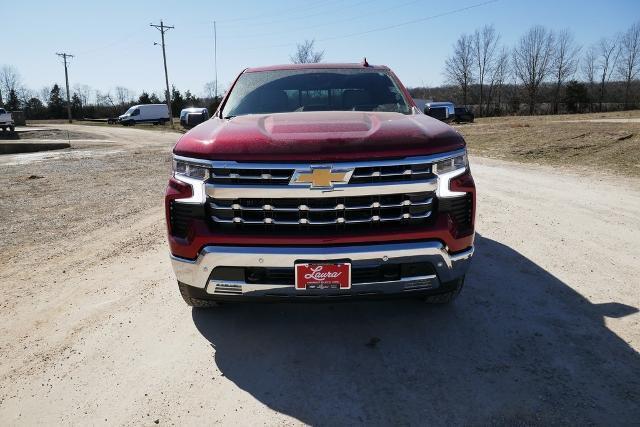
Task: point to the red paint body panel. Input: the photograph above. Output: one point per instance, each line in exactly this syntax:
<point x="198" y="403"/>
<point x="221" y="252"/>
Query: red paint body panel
<point x="318" y="136"/>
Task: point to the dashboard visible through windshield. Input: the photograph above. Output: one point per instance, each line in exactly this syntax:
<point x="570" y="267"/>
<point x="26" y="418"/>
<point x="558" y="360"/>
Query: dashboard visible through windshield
<point x="286" y="91"/>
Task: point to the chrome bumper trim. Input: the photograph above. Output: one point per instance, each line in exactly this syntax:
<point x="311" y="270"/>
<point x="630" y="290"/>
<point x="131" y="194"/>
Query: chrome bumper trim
<point x="196" y="272"/>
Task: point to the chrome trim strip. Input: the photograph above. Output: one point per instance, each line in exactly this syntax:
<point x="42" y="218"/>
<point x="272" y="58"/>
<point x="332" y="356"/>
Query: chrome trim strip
<point x="376" y="174"/>
<point x="218" y="191"/>
<point x="230" y="164"/>
<point x="196" y="272"/>
<point x="239" y="287"/>
<point x="305" y="221"/>
<point x="338" y="207"/>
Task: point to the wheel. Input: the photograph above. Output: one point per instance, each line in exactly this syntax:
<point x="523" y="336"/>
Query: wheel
<point x="447" y="297"/>
<point x="4" y="128"/>
<point x="194" y="302"/>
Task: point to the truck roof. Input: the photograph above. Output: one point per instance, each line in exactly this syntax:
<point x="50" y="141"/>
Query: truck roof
<point x="315" y="66"/>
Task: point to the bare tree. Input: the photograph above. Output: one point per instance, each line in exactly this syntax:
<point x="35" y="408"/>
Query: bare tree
<point x="485" y="46"/>
<point x="629" y="63"/>
<point x="532" y="58"/>
<point x="210" y="89"/>
<point x="104" y="99"/>
<point x="43" y="94"/>
<point x="84" y="93"/>
<point x="306" y="53"/>
<point x="459" y="66"/>
<point x="123" y="95"/>
<point x="589" y="71"/>
<point x="9" y="80"/>
<point x="24" y="95"/>
<point x="499" y="74"/>
<point x="565" y="62"/>
<point x="607" y="56"/>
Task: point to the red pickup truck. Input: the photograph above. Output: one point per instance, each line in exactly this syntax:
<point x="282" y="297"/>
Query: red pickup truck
<point x="319" y="181"/>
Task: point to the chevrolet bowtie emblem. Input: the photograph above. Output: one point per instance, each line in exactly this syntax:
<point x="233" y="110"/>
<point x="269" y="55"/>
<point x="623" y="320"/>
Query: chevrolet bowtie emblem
<point x="321" y="177"/>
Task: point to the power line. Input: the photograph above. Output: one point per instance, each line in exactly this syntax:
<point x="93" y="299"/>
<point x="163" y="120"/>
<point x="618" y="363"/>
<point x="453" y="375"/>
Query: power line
<point x="64" y="57"/>
<point x="163" y="29"/>
<point x="413" y="21"/>
<point x="280" y="12"/>
<point x="385" y="28"/>
<point x="325" y="24"/>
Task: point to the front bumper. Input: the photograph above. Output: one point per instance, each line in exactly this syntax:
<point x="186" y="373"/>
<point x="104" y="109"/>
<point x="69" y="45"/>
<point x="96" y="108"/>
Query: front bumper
<point x="196" y="273"/>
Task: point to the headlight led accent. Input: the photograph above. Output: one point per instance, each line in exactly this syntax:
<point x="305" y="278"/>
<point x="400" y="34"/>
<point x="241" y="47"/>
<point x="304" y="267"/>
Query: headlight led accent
<point x="190" y="170"/>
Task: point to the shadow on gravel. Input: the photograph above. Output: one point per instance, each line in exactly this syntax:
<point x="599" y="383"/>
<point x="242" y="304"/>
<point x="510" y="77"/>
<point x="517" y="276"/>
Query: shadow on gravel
<point x="518" y="344"/>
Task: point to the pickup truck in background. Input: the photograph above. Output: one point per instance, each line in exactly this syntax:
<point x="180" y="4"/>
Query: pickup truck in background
<point x="448" y="112"/>
<point x="193" y="116"/>
<point x="6" y="121"/>
<point x="317" y="182"/>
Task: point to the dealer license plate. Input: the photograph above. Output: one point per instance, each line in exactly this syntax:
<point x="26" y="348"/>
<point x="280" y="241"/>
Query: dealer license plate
<point x="323" y="276"/>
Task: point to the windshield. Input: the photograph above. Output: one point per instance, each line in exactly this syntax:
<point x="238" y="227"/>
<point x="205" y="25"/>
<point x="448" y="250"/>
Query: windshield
<point x="129" y="111"/>
<point x="285" y="91"/>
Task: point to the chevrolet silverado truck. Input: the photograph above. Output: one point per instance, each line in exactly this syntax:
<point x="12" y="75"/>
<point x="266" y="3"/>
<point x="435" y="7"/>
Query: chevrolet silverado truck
<point x="319" y="182"/>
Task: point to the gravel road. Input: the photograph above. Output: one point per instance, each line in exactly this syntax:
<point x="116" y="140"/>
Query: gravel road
<point x="94" y="331"/>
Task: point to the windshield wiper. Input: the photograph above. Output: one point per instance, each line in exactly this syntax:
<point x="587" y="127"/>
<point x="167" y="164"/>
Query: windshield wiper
<point x="231" y="116"/>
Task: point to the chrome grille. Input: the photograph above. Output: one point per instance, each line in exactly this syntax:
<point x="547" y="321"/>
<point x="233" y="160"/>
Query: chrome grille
<point x="374" y="172"/>
<point x="391" y="173"/>
<point x="319" y="213"/>
<point x="251" y="176"/>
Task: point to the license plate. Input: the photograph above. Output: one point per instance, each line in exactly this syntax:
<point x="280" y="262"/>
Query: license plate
<point x="323" y="276"/>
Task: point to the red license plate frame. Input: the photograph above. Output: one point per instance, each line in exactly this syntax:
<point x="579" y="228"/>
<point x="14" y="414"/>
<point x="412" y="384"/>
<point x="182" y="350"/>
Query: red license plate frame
<point x="322" y="276"/>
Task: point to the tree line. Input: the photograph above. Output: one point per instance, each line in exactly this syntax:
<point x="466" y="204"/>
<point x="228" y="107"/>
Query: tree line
<point x="50" y="101"/>
<point x="545" y="71"/>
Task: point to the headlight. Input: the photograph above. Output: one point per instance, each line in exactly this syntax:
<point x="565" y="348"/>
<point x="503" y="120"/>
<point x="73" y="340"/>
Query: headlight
<point x="450" y="165"/>
<point x="190" y="170"/>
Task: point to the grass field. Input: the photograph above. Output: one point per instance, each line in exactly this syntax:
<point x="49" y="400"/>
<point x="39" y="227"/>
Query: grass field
<point x="609" y="142"/>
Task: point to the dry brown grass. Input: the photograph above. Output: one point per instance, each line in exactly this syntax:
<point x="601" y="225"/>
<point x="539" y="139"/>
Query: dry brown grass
<point x="606" y="141"/>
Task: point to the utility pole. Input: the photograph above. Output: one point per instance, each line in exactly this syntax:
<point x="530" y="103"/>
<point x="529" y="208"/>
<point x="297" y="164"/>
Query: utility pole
<point x="163" y="29"/>
<point x="215" y="60"/>
<point x="64" y="56"/>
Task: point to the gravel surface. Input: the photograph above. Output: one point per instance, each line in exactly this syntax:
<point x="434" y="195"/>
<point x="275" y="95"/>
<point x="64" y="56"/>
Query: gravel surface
<point x="93" y="329"/>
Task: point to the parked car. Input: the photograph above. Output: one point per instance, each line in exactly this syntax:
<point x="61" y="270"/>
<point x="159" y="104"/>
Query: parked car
<point x="145" y="113"/>
<point x="6" y="121"/>
<point x="193" y="116"/>
<point x="464" y="115"/>
<point x="319" y="181"/>
<point x="443" y="111"/>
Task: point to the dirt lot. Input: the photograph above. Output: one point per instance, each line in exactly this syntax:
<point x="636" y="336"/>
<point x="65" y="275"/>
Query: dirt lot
<point x="603" y="142"/>
<point x="93" y="330"/>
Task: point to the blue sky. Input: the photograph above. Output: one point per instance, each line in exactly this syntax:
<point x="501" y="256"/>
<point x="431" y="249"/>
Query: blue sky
<point x="113" y="42"/>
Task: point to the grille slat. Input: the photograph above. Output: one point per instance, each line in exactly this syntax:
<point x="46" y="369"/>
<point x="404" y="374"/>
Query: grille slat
<point x="340" y="206"/>
<point x="391" y="173"/>
<point x="332" y="213"/>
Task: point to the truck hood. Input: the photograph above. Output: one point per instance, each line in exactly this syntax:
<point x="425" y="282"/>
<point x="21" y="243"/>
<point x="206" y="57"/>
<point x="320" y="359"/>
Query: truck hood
<point x="318" y="136"/>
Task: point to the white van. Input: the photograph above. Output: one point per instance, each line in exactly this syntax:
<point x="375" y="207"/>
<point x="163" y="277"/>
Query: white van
<point x="146" y="113"/>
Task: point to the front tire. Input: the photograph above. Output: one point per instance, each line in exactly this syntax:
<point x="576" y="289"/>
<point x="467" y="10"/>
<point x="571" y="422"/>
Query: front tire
<point x="447" y="297"/>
